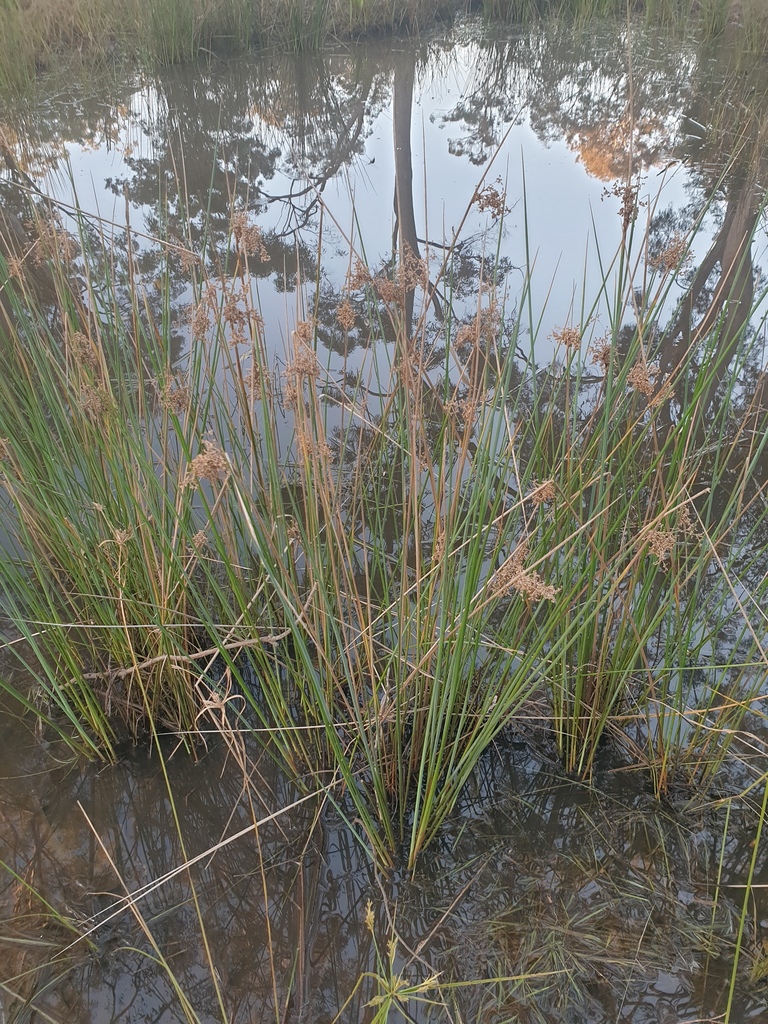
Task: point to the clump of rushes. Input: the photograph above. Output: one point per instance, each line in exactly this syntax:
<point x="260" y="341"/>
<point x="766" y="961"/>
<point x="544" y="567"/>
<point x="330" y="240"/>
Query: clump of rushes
<point x="384" y="573"/>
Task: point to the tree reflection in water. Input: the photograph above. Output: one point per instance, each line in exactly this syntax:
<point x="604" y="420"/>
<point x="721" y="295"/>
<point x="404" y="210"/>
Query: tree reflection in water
<point x="534" y="873"/>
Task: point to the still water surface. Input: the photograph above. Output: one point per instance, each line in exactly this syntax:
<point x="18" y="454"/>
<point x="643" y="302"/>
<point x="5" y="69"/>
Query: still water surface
<point x="616" y="907"/>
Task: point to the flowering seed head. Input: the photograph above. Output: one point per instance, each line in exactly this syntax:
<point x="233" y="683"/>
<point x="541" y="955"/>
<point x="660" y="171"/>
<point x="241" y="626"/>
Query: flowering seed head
<point x="673" y="257"/>
<point x="513" y="575"/>
<point x="345" y="314"/>
<point x="199" y="541"/>
<point x="640" y="377"/>
<point x="493" y="198"/>
<point x="210" y="464"/>
<point x="659" y="543"/>
<point x="175" y="397"/>
<point x="360" y="276"/>
<point x="543" y="492"/>
<point x="601" y="354"/>
<point x="95" y="401"/>
<point x="569" y="337"/>
<point x="305" y="363"/>
<point x="188" y="259"/>
<point x="200" y="322"/>
<point x="83" y="349"/>
<point x="248" y="237"/>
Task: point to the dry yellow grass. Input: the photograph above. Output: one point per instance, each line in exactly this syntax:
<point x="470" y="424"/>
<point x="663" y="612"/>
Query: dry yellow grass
<point x="36" y="33"/>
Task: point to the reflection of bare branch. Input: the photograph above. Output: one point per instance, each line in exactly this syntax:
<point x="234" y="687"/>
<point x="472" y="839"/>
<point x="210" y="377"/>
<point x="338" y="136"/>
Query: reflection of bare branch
<point x="350" y="133"/>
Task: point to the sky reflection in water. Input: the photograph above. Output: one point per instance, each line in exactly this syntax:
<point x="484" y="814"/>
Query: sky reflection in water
<point x="535" y="873"/>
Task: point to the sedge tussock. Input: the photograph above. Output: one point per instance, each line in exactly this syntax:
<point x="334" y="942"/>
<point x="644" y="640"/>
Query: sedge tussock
<point x="167" y="33"/>
<point x="379" y="571"/>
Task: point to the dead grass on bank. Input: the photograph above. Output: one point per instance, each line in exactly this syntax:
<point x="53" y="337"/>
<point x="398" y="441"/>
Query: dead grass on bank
<point x="36" y="33"/>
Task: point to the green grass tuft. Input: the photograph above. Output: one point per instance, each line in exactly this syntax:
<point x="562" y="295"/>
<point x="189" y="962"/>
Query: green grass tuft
<point x="383" y="574"/>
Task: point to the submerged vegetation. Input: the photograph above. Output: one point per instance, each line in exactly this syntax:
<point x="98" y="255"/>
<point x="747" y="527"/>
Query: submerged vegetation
<point x="500" y="922"/>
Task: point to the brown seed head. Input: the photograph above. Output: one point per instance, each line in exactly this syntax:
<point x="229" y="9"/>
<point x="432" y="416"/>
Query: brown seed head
<point x="188" y="259"/>
<point x="210" y="464"/>
<point x="175" y="397"/>
<point x="360" y="277"/>
<point x="488" y="322"/>
<point x="345" y="314"/>
<point x="200" y="322"/>
<point x="389" y="291"/>
<point x="601" y="354"/>
<point x="305" y="331"/>
<point x="468" y="410"/>
<point x="293" y="531"/>
<point x="232" y="313"/>
<point x="513" y="575"/>
<point x="640" y="378"/>
<point x="248" y="237"/>
<point x="253" y="382"/>
<point x="54" y="242"/>
<point x="312" y="450"/>
<point x="290" y="393"/>
<point x="305" y="362"/>
<point x="95" y="401"/>
<point x="543" y="492"/>
<point x="673" y="257"/>
<point x="570" y="337"/>
<point x="15" y="267"/>
<point x="413" y="271"/>
<point x="628" y="194"/>
<point x="659" y="543"/>
<point x="199" y="541"/>
<point x="466" y="334"/>
<point x="84" y="350"/>
<point x="685" y="523"/>
<point x="492" y="198"/>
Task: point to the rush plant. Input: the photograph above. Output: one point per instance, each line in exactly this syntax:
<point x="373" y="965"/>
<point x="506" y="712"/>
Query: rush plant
<point x="382" y="572"/>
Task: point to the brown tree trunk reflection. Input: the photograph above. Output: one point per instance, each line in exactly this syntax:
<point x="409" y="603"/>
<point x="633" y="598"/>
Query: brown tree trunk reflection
<point x="730" y="304"/>
<point x="405" y="241"/>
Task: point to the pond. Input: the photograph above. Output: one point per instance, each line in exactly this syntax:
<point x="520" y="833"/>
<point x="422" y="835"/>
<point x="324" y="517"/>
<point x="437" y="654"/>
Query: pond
<point x="544" y="897"/>
<point x="616" y="907"/>
<point x="551" y="120"/>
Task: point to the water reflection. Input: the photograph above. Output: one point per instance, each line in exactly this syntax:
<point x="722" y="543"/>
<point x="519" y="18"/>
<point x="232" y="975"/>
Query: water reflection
<point x="276" y="135"/>
<point x="616" y="895"/>
<point x="608" y="901"/>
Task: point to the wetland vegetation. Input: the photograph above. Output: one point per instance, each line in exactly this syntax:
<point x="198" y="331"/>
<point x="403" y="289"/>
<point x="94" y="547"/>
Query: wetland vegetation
<point x="36" y="34"/>
<point x="384" y="606"/>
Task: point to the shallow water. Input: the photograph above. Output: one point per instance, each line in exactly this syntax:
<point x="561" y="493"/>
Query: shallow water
<point x="615" y="907"/>
<point x="310" y="143"/>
